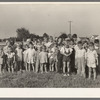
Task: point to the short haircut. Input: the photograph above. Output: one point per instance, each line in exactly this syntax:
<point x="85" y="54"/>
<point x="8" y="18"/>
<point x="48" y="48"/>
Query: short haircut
<point x="72" y="40"/>
<point x="91" y="44"/>
<point x="30" y="43"/>
<point x="10" y="47"/>
<point x="43" y="47"/>
<point x="79" y="42"/>
<point x="96" y="41"/>
<point x="85" y="42"/>
<point x="74" y="36"/>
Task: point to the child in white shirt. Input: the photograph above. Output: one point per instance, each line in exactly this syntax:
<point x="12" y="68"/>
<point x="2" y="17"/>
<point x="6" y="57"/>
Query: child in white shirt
<point x="80" y="57"/>
<point x="66" y="52"/>
<point x="25" y="57"/>
<point x="10" y="59"/>
<point x="37" y="59"/>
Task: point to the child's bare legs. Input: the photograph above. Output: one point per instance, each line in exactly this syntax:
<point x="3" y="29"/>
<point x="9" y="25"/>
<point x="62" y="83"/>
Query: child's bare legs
<point x="90" y="69"/>
<point x="52" y="67"/>
<point x="83" y="71"/>
<point x="20" y="65"/>
<point x="41" y="68"/>
<point x="3" y="71"/>
<point x="45" y="67"/>
<point x="94" y="73"/>
<point x="9" y="68"/>
<point x="26" y="66"/>
<point x="12" y="68"/>
<point x="68" y="68"/>
<point x="56" y="67"/>
<point x="29" y="67"/>
<point x="33" y="67"/>
<point x="64" y="67"/>
<point x="37" y="67"/>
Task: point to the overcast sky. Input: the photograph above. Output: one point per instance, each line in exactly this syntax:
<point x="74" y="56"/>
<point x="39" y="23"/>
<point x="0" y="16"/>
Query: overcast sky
<point x="51" y="19"/>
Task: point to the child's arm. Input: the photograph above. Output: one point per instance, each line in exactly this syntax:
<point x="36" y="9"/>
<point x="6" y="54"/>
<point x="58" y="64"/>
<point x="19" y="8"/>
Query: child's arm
<point x="35" y="56"/>
<point x="85" y="57"/>
<point x="14" y="59"/>
<point x="2" y="55"/>
<point x="97" y="61"/>
<point x="96" y="56"/>
<point x="70" y="52"/>
<point x="62" y="52"/>
<point x="76" y="54"/>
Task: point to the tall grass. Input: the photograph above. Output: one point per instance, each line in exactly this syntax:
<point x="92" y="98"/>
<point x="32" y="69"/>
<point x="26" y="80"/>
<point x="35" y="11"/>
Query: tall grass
<point x="46" y="80"/>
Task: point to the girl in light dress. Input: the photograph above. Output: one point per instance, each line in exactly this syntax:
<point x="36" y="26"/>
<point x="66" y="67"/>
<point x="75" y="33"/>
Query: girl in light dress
<point x="80" y="57"/>
<point x="92" y="60"/>
<point x="31" y="57"/>
<point x="37" y="59"/>
<point x="43" y="57"/>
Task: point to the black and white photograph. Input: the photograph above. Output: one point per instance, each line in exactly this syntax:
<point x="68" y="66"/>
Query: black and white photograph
<point x="49" y="45"/>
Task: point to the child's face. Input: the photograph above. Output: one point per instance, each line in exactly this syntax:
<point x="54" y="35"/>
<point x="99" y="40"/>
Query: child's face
<point x="66" y="44"/>
<point x="85" y="44"/>
<point x="71" y="43"/>
<point x="51" y="40"/>
<point x="31" y="46"/>
<point x="35" y="42"/>
<point x="96" y="44"/>
<point x="44" y="49"/>
<point x="54" y="44"/>
<point x="75" y="39"/>
<point x="39" y="43"/>
<point x="19" y="46"/>
<point x="59" y="40"/>
<point x="91" y="47"/>
<point x="39" y="49"/>
<point x="8" y="43"/>
<point x="45" y="39"/>
<point x="9" y="49"/>
<point x="80" y="46"/>
<point x="26" y="47"/>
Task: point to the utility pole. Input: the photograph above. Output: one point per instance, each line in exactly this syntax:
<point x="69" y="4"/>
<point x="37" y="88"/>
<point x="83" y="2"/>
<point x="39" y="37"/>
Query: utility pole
<point x="70" y="23"/>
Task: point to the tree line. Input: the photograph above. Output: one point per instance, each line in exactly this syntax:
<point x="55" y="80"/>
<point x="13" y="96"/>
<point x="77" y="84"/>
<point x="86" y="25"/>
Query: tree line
<point x="23" y="34"/>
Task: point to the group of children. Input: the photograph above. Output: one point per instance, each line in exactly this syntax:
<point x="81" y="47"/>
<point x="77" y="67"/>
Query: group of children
<point x="42" y="56"/>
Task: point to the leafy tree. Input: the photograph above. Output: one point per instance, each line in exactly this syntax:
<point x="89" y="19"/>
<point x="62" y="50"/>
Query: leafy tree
<point x="45" y="35"/>
<point x="63" y="35"/>
<point x="0" y="40"/>
<point x="22" y="34"/>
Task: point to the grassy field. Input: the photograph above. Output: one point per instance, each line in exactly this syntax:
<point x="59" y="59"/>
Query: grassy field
<point x="46" y="80"/>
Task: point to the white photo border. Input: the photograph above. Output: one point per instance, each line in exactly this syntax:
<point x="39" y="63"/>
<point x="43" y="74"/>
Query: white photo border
<point x="49" y="92"/>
